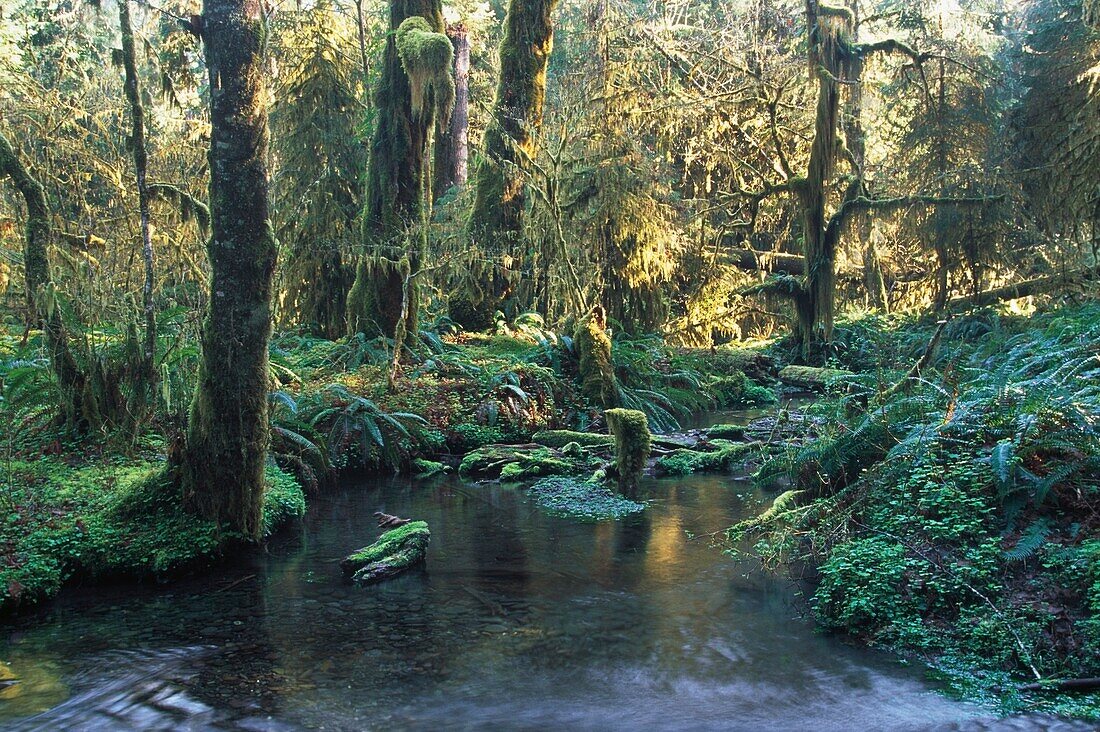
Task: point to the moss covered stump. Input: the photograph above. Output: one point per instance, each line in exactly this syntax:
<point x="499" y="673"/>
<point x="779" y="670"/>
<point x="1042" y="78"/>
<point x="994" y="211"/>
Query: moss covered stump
<point x="395" y="551"/>
<point x="633" y="442"/>
<point x="597" y="373"/>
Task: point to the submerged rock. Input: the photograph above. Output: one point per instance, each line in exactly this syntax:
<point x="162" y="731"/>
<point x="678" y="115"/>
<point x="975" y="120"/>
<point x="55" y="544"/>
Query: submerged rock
<point x="395" y="551"/>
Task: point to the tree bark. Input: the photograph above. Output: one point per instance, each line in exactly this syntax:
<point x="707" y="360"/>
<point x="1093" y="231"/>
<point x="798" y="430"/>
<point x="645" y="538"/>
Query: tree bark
<point x="222" y="467"/>
<point x="828" y="30"/>
<point x="496" y="221"/>
<point x="452" y="150"/>
<point x="394" y="204"/>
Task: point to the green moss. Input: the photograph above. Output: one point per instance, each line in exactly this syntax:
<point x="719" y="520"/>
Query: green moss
<point x="810" y="377"/>
<point x="581" y="500"/>
<point x="597" y="374"/>
<point x="515" y="463"/>
<point x="686" y="462"/>
<point x="426" y="57"/>
<point x="632" y="445"/>
<point x="726" y="432"/>
<point x="428" y="468"/>
<point x="120" y="519"/>
<point x="396" y="551"/>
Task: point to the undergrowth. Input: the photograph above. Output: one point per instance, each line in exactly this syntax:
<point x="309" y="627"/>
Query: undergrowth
<point x="956" y="516"/>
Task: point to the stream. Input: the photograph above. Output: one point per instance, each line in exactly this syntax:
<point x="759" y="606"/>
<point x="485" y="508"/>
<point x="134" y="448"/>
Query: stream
<point x="519" y="620"/>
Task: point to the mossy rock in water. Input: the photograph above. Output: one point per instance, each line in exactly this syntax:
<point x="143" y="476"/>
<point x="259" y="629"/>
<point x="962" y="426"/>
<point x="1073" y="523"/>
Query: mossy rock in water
<point x="633" y="442"/>
<point x="396" y="551"/>
<point x="521" y="462"/>
<point x="582" y="500"/>
<point x="561" y="438"/>
<point x="423" y="468"/>
<point x="686" y="462"/>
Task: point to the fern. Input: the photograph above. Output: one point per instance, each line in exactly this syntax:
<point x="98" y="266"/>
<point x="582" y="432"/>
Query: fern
<point x="1032" y="538"/>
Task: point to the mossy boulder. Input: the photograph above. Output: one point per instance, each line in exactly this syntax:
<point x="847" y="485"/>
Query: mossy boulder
<point x="633" y="442"/>
<point x="396" y="551"/>
<point x="522" y="462"/>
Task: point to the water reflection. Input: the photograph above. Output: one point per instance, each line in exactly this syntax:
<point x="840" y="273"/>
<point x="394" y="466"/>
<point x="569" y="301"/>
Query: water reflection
<point x="518" y="621"/>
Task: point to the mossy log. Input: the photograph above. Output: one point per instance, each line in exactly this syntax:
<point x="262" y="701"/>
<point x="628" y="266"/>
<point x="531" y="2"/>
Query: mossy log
<point x="522" y="462"/>
<point x="686" y="462"/>
<point x="811" y="377"/>
<point x="395" y="552"/>
<point x="561" y="438"/>
<point x="633" y="443"/>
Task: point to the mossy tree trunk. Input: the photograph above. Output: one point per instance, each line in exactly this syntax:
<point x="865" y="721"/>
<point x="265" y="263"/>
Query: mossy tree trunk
<point x="633" y="443"/>
<point x="385" y="294"/>
<point x="223" y="460"/>
<point x="77" y="403"/>
<point x="36" y="244"/>
<point x="829" y="31"/>
<point x="147" y="378"/>
<point x="496" y="221"/>
<point x="452" y="151"/>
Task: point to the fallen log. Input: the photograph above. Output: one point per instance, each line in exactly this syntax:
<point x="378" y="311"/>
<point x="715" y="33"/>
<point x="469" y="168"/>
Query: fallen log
<point x="1092" y="684"/>
<point x="811" y="377"/>
<point x="1027" y="288"/>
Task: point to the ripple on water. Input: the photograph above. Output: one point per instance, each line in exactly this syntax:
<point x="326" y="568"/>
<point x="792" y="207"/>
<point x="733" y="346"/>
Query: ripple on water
<point x="519" y="621"/>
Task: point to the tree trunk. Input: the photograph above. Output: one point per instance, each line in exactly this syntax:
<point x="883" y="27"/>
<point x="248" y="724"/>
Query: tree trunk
<point x="496" y="221"/>
<point x="855" y="139"/>
<point x="227" y="437"/>
<point x="394" y="204"/>
<point x="828" y="30"/>
<point x="141" y="164"/>
<point x="36" y="245"/>
<point x="452" y="149"/>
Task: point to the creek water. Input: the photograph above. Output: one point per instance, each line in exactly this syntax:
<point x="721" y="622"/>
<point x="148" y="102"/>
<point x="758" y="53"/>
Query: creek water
<point x="519" y="620"/>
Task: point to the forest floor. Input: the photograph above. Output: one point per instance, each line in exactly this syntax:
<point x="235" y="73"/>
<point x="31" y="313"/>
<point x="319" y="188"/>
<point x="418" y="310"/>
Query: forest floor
<point x="951" y="517"/>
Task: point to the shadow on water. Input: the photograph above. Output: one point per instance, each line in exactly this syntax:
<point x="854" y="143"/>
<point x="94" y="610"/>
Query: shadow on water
<point x="519" y="620"/>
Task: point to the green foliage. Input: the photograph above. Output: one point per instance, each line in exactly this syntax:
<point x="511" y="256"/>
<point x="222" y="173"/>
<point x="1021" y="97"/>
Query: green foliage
<point x="583" y="501"/>
<point x="118" y="518"/>
<point x="944" y="519"/>
<point x="738" y="390"/>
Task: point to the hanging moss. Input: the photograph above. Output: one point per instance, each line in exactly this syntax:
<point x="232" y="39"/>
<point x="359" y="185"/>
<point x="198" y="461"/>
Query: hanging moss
<point x="426" y="57"/>
<point x="500" y="197"/>
<point x="393" y="229"/>
<point x="597" y="374"/>
<point x="633" y="442"/>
